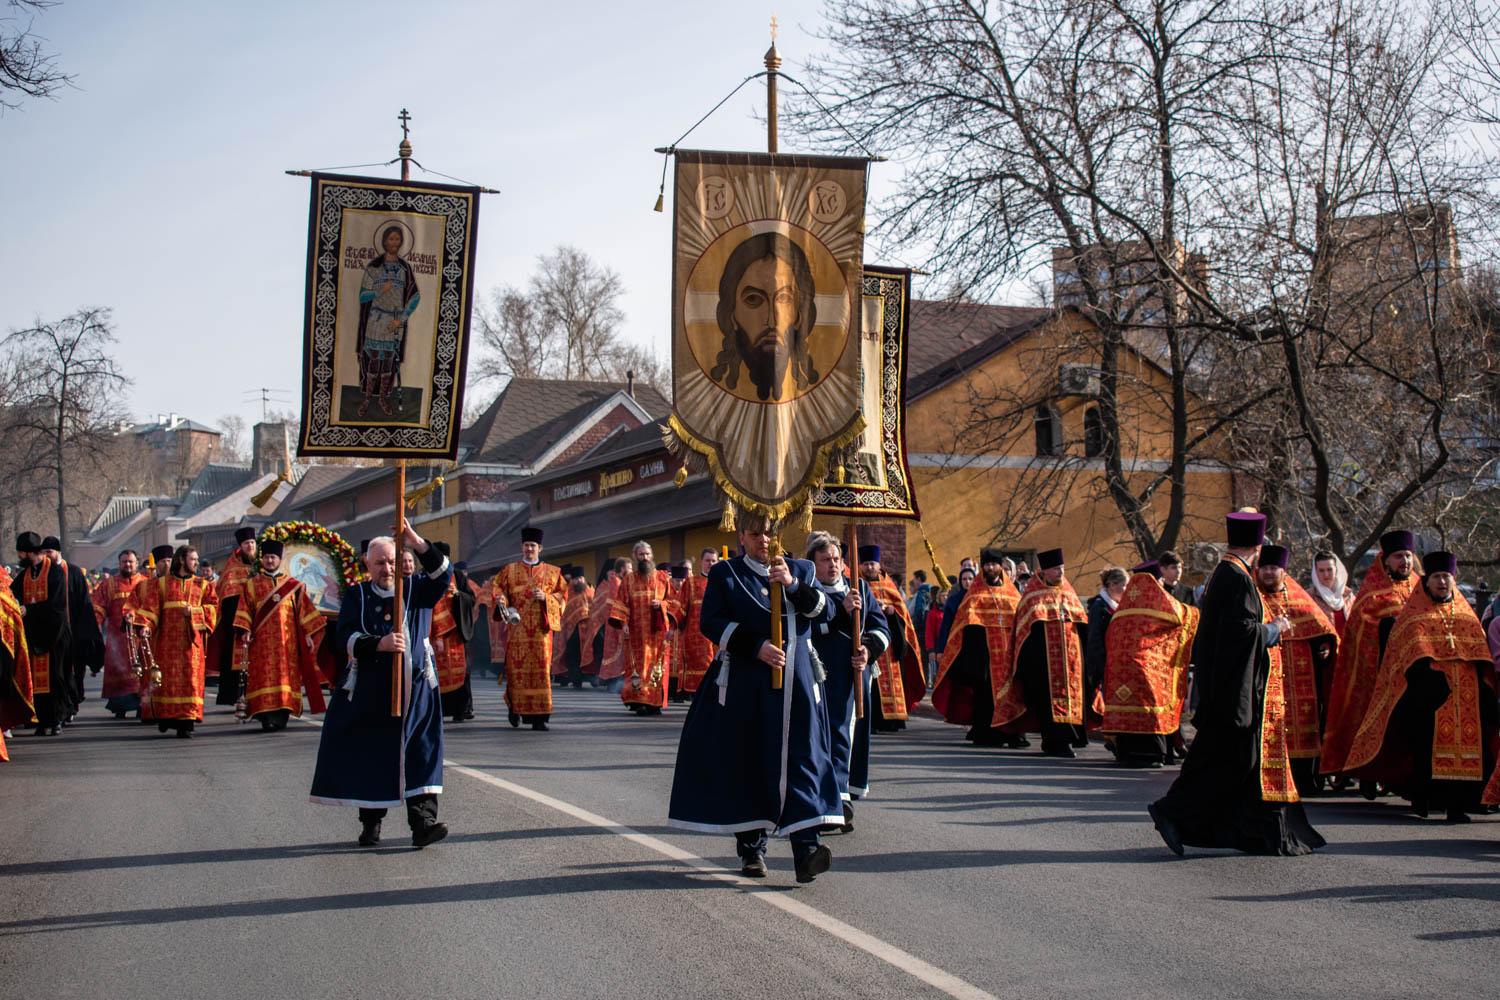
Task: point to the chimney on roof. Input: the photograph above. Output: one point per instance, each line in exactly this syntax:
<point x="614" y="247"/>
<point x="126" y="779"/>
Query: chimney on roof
<point x="270" y="449"/>
<point x="172" y="421"/>
<point x="630" y="383"/>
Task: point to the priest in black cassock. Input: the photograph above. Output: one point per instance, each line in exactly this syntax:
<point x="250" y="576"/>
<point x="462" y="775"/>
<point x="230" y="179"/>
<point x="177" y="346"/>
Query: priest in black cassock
<point x="756" y="760"/>
<point x="85" y="641"/>
<point x="1230" y="793"/>
<point x="834" y="645"/>
<point x="42" y="590"/>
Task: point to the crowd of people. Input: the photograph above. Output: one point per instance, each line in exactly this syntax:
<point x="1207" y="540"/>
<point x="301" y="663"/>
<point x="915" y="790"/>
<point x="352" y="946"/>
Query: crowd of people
<point x="1264" y="690"/>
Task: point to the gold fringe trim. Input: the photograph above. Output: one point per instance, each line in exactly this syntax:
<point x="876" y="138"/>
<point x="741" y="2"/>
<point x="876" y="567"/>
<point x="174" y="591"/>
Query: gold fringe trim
<point x="701" y="456"/>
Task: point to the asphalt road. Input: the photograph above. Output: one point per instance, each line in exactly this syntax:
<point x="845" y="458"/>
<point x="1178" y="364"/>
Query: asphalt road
<point x="138" y="865"/>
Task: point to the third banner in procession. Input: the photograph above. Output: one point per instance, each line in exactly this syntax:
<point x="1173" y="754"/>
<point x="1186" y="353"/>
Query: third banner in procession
<point x="767" y="263"/>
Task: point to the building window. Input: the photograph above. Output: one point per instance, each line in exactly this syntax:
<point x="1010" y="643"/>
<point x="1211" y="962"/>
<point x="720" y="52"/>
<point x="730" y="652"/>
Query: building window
<point x="1048" y="431"/>
<point x="1093" y="433"/>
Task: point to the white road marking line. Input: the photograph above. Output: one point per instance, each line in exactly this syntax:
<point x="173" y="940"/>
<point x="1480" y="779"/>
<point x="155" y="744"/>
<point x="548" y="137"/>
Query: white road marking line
<point x="928" y="973"/>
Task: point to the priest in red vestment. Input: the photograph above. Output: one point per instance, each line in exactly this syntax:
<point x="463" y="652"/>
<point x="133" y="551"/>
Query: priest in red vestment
<point x="1388" y="583"/>
<point x="279" y="627"/>
<point x="1045" y="691"/>
<point x="900" y="679"/>
<point x="1148" y="645"/>
<point x="177" y="613"/>
<point x="697" y="651"/>
<point x="1431" y="734"/>
<point x="226" y="654"/>
<point x="645" y="605"/>
<point x="110" y="597"/>
<point x="979" y="654"/>
<point x="535" y="592"/>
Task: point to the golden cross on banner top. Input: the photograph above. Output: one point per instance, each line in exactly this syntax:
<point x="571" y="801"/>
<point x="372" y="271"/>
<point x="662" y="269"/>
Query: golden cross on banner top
<point x="773" y="27"/>
<point x="404" y="118"/>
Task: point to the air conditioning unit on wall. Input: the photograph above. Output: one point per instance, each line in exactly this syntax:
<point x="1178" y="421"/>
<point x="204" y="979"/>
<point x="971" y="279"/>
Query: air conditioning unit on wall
<point x="1202" y="557"/>
<point x="1077" y="380"/>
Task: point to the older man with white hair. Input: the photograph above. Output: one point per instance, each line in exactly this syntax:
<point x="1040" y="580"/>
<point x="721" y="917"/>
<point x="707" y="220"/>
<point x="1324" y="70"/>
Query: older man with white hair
<point x="382" y="741"/>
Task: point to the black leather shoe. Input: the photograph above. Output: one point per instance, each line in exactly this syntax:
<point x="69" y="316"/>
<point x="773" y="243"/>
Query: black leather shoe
<point x="753" y="866"/>
<point x="369" y="836"/>
<point x="810" y="866"/>
<point x="848" y="826"/>
<point x="515" y="720"/>
<point x="429" y="835"/>
<point x="1167" y="829"/>
<point x="539" y="726"/>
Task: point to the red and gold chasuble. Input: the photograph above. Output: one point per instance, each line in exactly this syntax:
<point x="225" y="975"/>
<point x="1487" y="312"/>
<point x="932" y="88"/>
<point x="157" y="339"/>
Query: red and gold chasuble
<point x="901" y="690"/>
<point x="181" y="613"/>
<point x="1450" y="636"/>
<point x="993" y="608"/>
<point x="1300" y="681"/>
<point x="1147" y="649"/>
<point x="1060" y="612"/>
<point x="697" y="651"/>
<point x="110" y="597"/>
<point x="449" y="652"/>
<point x="231" y="580"/>
<point x="16" y="705"/>
<point x="575" y="613"/>
<point x="613" y="654"/>
<point x="528" y="645"/>
<point x="279" y="617"/>
<point x="1358" y="662"/>
<point x="647" y="667"/>
<point x="34" y="591"/>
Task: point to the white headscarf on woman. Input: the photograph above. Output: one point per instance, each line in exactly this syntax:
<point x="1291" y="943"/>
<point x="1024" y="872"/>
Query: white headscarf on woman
<point x="1332" y="597"/>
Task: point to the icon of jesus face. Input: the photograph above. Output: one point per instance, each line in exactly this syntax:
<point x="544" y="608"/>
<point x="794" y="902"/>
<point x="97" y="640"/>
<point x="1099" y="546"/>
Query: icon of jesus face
<point x="766" y="313"/>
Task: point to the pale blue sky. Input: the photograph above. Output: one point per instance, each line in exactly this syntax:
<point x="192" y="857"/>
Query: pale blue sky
<point x="157" y="186"/>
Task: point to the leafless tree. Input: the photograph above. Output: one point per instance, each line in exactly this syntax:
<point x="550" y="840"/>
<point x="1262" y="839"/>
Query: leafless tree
<point x="67" y="406"/>
<point x="567" y="324"/>
<point x="520" y="342"/>
<point x="26" y="68"/>
<point x="233" y="446"/>
<point x="1196" y="170"/>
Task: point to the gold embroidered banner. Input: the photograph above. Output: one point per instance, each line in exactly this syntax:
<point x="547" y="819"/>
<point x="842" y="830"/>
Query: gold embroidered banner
<point x="876" y="480"/>
<point x="767" y="262"/>
<point x="389" y="288"/>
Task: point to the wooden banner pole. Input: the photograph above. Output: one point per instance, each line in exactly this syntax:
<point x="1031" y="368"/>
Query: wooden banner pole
<point x="398" y="615"/>
<point x="859" y="619"/>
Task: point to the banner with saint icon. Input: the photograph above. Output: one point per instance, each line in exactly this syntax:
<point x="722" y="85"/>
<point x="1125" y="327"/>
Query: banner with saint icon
<point x="389" y="291"/>
<point x="767" y="261"/>
<point x="875" y="483"/>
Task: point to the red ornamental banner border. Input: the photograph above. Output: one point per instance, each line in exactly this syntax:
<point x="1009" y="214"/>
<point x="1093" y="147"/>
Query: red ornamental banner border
<point x="418" y="411"/>
<point x="863" y="496"/>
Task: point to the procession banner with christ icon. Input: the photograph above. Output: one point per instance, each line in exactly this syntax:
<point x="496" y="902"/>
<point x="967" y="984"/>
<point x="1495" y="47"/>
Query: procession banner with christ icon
<point x="389" y="290"/>
<point x="875" y="483"/>
<point x="767" y="261"/>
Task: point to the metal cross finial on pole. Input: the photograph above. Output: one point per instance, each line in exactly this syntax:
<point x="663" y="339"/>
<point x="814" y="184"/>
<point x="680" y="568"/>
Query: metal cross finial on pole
<point x="404" y="150"/>
<point x="773" y="28"/>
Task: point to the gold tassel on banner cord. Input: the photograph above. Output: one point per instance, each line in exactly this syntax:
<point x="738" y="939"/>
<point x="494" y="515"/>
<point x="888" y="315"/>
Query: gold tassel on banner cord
<point x="942" y="580"/>
<point x="264" y="496"/>
<point x="421" y="493"/>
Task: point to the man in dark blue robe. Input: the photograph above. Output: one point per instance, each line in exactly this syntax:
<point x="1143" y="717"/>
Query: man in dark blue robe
<point x="756" y="760"/>
<point x="369" y="757"/>
<point x="834" y="646"/>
